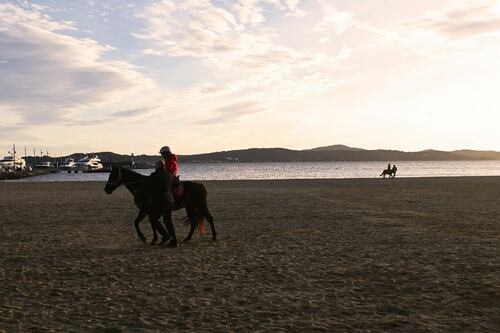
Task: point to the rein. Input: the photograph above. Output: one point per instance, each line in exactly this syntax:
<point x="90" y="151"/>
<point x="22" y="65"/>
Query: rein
<point x="120" y="181"/>
<point x="134" y="182"/>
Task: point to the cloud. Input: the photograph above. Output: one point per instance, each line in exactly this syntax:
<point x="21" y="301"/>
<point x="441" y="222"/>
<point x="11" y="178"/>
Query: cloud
<point x="122" y="115"/>
<point x="454" y="27"/>
<point x="188" y="28"/>
<point x="293" y="6"/>
<point x="153" y="52"/>
<point x="130" y="113"/>
<point x="240" y="55"/>
<point x="48" y="76"/>
<point x="334" y="20"/>
<point x="8" y="133"/>
<point x="216" y="35"/>
<point x="232" y="112"/>
<point x="462" y="19"/>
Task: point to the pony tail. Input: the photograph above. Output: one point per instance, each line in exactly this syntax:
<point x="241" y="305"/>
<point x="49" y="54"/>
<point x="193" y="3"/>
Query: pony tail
<point x="201" y="218"/>
<point x="201" y="225"/>
<point x="200" y="222"/>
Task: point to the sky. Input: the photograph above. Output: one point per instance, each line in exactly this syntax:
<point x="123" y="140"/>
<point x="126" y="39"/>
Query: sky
<point x="202" y="76"/>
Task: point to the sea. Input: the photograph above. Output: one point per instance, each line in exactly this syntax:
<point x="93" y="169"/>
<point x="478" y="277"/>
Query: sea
<point x="301" y="170"/>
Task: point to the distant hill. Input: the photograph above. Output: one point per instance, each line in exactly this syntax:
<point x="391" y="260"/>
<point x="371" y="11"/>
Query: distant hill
<point x="334" y="147"/>
<point x="340" y="153"/>
<point x="335" y="153"/>
<point x="482" y="155"/>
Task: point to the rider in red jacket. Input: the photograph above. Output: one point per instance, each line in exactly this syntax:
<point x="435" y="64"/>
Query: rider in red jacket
<point x="168" y="161"/>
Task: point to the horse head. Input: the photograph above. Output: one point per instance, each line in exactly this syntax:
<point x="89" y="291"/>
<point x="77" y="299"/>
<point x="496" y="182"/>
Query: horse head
<point x="114" y="180"/>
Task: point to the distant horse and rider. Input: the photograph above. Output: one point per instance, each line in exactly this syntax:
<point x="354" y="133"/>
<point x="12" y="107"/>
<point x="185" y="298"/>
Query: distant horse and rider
<point x="391" y="172"/>
<point x="158" y="195"/>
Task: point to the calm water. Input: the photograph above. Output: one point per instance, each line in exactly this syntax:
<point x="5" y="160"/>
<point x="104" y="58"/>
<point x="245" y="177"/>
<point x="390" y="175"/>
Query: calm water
<point x="293" y="170"/>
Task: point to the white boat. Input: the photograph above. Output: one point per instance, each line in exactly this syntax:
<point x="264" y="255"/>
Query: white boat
<point x="89" y="164"/>
<point x="68" y="165"/>
<point x="10" y="162"/>
<point x="45" y="165"/>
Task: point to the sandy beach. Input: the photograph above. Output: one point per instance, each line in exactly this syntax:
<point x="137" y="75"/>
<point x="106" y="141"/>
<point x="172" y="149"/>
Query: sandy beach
<point x="403" y="255"/>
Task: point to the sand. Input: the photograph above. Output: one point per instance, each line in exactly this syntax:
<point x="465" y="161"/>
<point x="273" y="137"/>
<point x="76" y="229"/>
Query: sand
<point x="403" y="255"/>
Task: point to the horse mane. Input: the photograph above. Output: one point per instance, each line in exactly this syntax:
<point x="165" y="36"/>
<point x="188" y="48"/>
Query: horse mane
<point x="132" y="179"/>
<point x="132" y="173"/>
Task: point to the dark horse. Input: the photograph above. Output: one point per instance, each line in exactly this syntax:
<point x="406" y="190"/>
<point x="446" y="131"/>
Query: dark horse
<point x="389" y="172"/>
<point x="193" y="199"/>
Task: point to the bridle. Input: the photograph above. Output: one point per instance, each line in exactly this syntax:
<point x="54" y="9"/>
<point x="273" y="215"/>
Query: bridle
<point x="119" y="181"/>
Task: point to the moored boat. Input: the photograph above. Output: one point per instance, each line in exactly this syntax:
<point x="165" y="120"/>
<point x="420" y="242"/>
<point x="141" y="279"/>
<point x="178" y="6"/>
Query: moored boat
<point x="89" y="164"/>
<point x="12" y="162"/>
<point x="68" y="165"/>
<point x="45" y="165"/>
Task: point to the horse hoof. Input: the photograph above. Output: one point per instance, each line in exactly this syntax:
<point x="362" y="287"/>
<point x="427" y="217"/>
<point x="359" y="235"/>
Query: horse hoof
<point x="214" y="238"/>
<point x="153" y="242"/>
<point x="164" y="240"/>
<point x="143" y="239"/>
<point x="172" y="243"/>
<point x="185" y="240"/>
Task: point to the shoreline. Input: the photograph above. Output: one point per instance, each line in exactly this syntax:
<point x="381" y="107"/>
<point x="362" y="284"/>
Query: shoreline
<point x="15" y="175"/>
<point x="402" y="178"/>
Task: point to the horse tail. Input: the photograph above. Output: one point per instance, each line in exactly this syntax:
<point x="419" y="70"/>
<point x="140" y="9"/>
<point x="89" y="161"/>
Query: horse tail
<point x="201" y="225"/>
<point x="204" y="204"/>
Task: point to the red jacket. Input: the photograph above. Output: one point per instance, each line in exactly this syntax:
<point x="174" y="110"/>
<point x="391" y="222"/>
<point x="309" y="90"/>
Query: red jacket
<point x="170" y="164"/>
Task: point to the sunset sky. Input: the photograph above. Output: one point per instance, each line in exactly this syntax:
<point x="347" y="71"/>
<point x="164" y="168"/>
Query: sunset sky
<point x="201" y="76"/>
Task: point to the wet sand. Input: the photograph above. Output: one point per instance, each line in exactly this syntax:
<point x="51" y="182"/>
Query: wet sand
<point x="403" y="255"/>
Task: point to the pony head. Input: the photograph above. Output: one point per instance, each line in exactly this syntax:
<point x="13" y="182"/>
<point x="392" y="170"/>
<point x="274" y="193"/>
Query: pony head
<point x="114" y="180"/>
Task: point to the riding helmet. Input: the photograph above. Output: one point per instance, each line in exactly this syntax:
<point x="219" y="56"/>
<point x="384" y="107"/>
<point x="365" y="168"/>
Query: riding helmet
<point x="165" y="150"/>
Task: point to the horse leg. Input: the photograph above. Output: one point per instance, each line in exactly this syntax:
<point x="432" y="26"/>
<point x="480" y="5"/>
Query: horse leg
<point x="210" y="220"/>
<point x="192" y="220"/>
<point x="138" y="219"/>
<point x="155" y="235"/>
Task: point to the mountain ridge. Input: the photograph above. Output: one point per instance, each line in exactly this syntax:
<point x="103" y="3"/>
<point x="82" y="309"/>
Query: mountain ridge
<point x="333" y="147"/>
<point x="348" y="154"/>
<point x="333" y="153"/>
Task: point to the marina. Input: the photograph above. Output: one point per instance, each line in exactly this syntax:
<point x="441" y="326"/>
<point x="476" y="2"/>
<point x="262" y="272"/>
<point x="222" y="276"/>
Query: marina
<point x="13" y="167"/>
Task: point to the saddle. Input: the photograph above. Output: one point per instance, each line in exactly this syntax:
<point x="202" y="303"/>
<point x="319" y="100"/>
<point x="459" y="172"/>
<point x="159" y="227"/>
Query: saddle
<point x="178" y="190"/>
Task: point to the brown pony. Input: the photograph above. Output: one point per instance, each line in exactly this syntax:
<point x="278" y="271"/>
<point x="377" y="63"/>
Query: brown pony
<point x="193" y="199"/>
